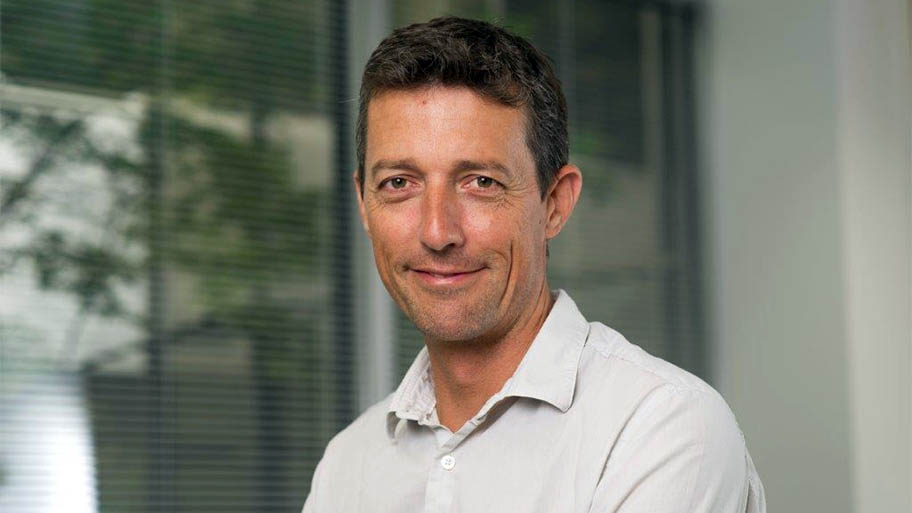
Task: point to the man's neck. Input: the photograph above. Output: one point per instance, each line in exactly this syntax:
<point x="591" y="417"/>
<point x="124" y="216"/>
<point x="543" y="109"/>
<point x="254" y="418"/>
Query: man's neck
<point x="467" y="375"/>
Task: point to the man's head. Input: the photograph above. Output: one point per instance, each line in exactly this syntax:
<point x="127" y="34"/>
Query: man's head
<point x="457" y="203"/>
<point x="496" y="64"/>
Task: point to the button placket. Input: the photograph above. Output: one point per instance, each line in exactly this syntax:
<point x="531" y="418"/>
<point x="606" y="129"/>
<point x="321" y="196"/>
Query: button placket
<point x="441" y="484"/>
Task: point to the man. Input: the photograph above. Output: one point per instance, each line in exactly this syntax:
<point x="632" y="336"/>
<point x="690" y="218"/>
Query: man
<point x="516" y="403"/>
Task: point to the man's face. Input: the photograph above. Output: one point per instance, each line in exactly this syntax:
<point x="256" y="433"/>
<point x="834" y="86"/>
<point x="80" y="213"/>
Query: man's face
<point x="451" y="204"/>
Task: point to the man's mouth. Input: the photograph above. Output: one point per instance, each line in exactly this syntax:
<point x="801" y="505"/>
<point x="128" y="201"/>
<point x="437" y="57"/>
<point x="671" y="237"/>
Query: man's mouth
<point x="444" y="277"/>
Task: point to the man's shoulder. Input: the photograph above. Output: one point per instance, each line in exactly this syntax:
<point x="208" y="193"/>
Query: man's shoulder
<point x="608" y="355"/>
<point x="667" y="423"/>
<point x="647" y="389"/>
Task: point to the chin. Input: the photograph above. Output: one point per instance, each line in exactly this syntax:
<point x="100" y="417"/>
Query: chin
<point x="453" y="326"/>
<point x="450" y="334"/>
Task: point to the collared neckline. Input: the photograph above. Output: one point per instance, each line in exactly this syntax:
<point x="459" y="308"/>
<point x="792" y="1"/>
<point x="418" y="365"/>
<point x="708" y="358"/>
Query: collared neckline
<point x="547" y="372"/>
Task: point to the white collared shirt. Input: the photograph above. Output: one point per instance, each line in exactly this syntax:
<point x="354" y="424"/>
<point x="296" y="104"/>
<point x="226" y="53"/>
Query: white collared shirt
<point x="587" y="423"/>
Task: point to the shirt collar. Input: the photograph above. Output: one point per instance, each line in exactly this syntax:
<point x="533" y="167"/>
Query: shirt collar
<point x="547" y="372"/>
<point x="414" y="397"/>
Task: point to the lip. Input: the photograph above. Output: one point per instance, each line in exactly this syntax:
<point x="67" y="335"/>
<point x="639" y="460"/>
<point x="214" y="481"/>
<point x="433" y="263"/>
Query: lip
<point x="443" y="278"/>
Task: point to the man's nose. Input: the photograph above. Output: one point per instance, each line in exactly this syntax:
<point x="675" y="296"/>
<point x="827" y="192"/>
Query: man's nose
<point x="441" y="223"/>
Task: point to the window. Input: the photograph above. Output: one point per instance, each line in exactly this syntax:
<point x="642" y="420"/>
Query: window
<point x="179" y="260"/>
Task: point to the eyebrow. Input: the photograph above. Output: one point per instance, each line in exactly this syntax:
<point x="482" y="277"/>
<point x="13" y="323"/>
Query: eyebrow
<point x="474" y="165"/>
<point x="401" y="164"/>
<point x="460" y="167"/>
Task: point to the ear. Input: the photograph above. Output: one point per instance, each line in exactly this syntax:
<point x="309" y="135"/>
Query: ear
<point x="360" y="195"/>
<point x="562" y="197"/>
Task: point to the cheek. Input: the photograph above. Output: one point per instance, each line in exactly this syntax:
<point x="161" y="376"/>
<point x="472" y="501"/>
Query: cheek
<point x="495" y="229"/>
<point x="531" y="236"/>
<point x="392" y="228"/>
<point x="489" y="228"/>
<point x="479" y="222"/>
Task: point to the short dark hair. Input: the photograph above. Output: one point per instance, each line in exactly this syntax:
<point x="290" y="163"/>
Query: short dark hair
<point x="487" y="59"/>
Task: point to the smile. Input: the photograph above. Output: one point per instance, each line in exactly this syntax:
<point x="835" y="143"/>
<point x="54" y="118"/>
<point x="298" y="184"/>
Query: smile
<point x="441" y="278"/>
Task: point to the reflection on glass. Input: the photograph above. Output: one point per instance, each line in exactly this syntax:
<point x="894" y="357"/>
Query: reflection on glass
<point x="166" y="201"/>
<point x="46" y="427"/>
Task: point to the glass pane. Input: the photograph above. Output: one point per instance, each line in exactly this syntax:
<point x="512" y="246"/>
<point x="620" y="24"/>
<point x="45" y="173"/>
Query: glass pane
<point x="168" y="177"/>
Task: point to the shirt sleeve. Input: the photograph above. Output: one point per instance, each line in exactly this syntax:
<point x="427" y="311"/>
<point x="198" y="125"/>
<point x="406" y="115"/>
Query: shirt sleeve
<point x="680" y="452"/>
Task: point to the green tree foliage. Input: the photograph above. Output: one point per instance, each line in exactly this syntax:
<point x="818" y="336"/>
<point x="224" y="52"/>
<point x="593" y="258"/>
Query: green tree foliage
<point x="237" y="219"/>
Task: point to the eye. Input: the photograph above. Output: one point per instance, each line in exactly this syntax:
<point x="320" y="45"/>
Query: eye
<point x="482" y="184"/>
<point x="484" y="181"/>
<point x="396" y="182"/>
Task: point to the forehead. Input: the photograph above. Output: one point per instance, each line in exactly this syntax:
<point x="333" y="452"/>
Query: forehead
<point x="437" y="123"/>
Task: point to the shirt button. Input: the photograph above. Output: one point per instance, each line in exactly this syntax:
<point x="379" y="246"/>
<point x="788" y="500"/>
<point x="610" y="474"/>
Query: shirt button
<point x="448" y="462"/>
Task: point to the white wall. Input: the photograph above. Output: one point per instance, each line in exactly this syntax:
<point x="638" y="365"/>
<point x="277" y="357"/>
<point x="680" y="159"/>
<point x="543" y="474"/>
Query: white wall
<point x="874" y="144"/>
<point x="805" y="111"/>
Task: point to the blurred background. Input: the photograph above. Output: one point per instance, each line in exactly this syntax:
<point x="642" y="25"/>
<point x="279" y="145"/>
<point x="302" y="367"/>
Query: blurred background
<point x="189" y="310"/>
